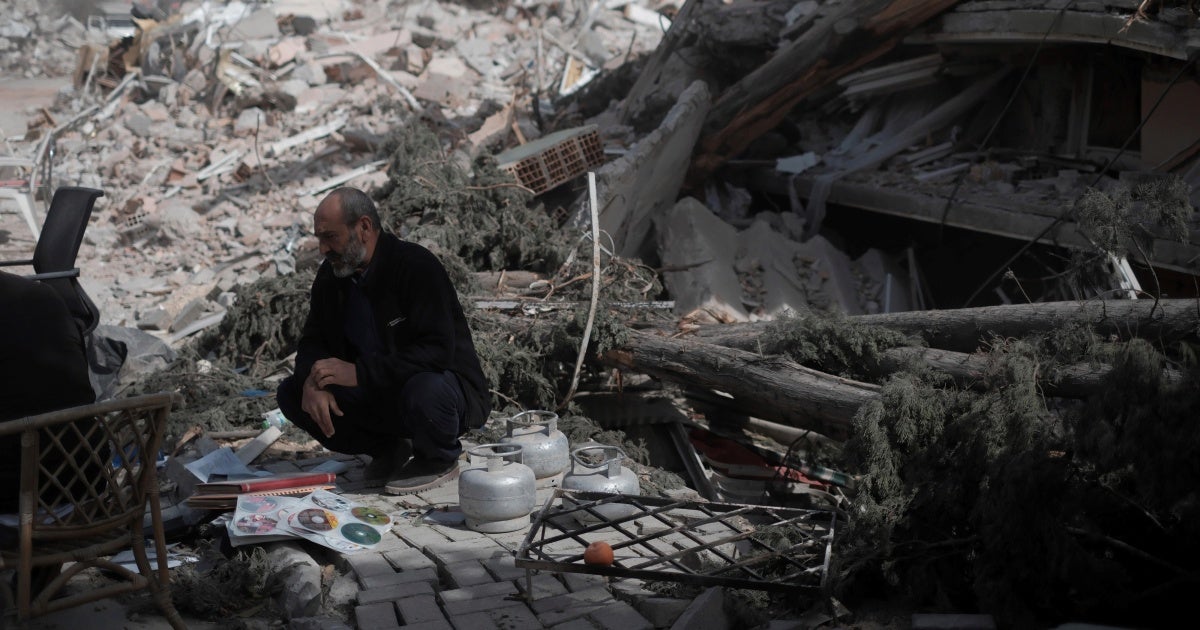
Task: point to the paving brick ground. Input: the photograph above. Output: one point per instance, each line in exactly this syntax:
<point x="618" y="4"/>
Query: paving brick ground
<point x="435" y="573"/>
<point x="430" y="571"/>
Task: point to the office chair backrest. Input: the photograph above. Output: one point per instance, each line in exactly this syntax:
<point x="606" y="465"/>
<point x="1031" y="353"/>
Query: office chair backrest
<point x="62" y="233"/>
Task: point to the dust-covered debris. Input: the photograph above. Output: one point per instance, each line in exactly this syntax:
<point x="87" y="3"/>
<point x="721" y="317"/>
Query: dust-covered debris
<point x="215" y="397"/>
<point x="217" y="587"/>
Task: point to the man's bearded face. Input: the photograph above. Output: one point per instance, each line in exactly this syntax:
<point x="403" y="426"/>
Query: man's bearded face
<point x="351" y="256"/>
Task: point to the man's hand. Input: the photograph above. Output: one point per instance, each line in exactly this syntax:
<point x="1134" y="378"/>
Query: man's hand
<point x="321" y="406"/>
<point x="328" y="372"/>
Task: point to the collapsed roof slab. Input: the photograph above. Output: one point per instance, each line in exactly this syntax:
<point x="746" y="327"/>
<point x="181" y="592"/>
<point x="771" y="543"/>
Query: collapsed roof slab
<point x="990" y="213"/>
<point x="1030" y="26"/>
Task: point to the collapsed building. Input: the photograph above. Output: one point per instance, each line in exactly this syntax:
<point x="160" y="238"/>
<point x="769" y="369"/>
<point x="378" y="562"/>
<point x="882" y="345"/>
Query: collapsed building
<point x="987" y="119"/>
<point x="769" y="161"/>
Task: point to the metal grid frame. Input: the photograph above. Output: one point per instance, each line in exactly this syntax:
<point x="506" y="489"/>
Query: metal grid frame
<point x="700" y="542"/>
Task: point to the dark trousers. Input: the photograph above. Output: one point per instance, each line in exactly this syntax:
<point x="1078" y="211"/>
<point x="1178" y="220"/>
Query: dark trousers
<point x="429" y="409"/>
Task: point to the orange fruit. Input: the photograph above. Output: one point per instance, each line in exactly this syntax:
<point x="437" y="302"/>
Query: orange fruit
<point x="598" y="553"/>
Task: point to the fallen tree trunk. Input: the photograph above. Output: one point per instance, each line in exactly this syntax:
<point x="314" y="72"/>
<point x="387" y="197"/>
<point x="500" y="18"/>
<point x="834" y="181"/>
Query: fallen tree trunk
<point x="770" y="388"/>
<point x="1164" y="321"/>
<point x="728" y="358"/>
<point x="967" y="370"/>
<point x="965" y="329"/>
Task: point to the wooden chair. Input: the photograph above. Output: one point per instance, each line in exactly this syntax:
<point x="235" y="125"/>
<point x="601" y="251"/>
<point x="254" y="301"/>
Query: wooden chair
<point x="87" y="479"/>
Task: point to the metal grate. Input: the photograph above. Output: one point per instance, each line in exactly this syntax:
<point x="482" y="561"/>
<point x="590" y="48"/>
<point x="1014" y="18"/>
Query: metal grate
<point x="716" y="544"/>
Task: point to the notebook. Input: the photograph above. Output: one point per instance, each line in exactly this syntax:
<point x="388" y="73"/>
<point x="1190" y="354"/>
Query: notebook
<point x="221" y="495"/>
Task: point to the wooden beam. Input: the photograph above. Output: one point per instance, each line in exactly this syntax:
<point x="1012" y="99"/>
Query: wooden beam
<point x="851" y="36"/>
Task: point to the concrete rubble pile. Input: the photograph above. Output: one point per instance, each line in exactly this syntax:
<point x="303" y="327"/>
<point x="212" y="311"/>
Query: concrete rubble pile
<point x="216" y="128"/>
<point x="885" y="107"/>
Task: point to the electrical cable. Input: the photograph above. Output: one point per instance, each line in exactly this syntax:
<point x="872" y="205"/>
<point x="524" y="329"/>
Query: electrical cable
<point x="1003" y="112"/>
<point x="1099" y="175"/>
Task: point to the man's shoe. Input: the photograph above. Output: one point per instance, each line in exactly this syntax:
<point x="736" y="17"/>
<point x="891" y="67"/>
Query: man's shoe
<point x="422" y="474"/>
<point x="384" y="466"/>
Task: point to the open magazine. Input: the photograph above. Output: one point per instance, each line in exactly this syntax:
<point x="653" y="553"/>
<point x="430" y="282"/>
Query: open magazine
<point x="323" y="517"/>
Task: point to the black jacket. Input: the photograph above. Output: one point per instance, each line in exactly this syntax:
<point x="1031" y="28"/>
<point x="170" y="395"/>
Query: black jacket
<point x="418" y="318"/>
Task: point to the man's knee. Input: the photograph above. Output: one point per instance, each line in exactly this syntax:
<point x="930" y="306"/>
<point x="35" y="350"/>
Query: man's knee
<point x="435" y="397"/>
<point x="288" y="396"/>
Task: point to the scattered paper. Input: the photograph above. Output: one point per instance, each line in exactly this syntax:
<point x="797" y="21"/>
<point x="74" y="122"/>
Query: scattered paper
<point x="128" y="562"/>
<point x="797" y="164"/>
<point x="452" y="517"/>
<point x="224" y="463"/>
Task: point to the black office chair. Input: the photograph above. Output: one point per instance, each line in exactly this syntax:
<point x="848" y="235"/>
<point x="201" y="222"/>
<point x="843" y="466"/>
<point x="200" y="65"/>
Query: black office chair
<point x="54" y="256"/>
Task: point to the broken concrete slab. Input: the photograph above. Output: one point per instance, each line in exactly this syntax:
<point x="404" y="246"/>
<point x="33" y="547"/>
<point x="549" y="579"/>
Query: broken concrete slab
<point x="772" y="262"/>
<point x="259" y="24"/>
<point x="645" y="182"/>
<point x="706" y="611"/>
<point x="319" y="10"/>
<point x="190" y="314"/>
<point x="833" y="268"/>
<point x="698" y="250"/>
<point x="300" y="576"/>
<point x="250" y="121"/>
<point x="442" y="90"/>
<point x="1060" y="26"/>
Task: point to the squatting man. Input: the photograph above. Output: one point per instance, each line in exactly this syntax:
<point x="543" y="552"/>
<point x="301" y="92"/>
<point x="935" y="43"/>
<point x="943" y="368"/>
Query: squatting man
<point x="385" y="364"/>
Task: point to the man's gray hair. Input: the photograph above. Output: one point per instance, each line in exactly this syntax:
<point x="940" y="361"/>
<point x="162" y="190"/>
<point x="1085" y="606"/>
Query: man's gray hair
<point x="355" y="204"/>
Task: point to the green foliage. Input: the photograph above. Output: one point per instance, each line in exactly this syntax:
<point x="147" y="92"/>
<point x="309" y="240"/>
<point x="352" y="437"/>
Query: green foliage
<point x="220" y="374"/>
<point x="263" y="325"/>
<point x="999" y="499"/>
<point x="1122" y="218"/>
<point x="1140" y="439"/>
<point x="832" y="343"/>
<point x="516" y="364"/>
<point x="1106" y="218"/>
<point x="215" y="397"/>
<point x="531" y="361"/>
<point x="1168" y="205"/>
<point x="471" y="211"/>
